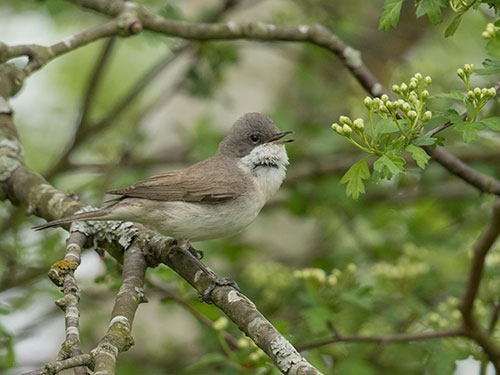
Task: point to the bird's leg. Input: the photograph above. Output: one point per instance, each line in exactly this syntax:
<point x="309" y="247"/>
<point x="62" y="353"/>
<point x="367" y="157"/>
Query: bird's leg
<point x="214" y="279"/>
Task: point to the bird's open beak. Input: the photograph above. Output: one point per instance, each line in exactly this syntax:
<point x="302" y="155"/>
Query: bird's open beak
<point x="277" y="138"/>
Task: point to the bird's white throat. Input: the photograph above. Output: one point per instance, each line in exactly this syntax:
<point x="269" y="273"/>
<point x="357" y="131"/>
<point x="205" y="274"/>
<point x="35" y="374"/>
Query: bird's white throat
<point x="267" y="164"/>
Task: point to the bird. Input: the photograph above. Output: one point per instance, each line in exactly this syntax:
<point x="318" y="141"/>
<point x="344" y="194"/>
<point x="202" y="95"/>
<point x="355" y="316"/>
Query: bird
<point x="216" y="197"/>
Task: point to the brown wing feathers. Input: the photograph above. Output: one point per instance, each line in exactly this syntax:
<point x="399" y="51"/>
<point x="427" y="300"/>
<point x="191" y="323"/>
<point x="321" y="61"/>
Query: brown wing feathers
<point x="198" y="183"/>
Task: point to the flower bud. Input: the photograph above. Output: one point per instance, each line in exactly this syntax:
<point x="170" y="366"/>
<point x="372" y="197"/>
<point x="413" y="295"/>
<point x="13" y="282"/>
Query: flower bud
<point x="384" y="98"/>
<point x="484" y="92"/>
<point x="427" y="116"/>
<point x="492" y="92"/>
<point x="332" y="280"/>
<point x="406" y="107"/>
<point x="404" y="87"/>
<point x="345" y="120"/>
<point x="425" y="94"/>
<point x="470" y="95"/>
<point x="400" y="102"/>
<point x="486" y="35"/>
<point x="382" y="108"/>
<point x="418" y="76"/>
<point x="358" y="124"/>
<point x="337" y="128"/>
<point x="477" y="92"/>
<point x="351" y="267"/>
<point x="346" y="129"/>
<point x="460" y="73"/>
<point x="243" y="343"/>
<point x="468" y="68"/>
<point x="395" y="88"/>
<point x="428" y="80"/>
<point x="367" y="102"/>
<point x="412" y="85"/>
<point x="412" y="114"/>
<point x="490" y="28"/>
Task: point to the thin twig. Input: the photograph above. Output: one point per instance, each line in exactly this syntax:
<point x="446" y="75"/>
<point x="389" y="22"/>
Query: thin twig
<point x="384" y="339"/>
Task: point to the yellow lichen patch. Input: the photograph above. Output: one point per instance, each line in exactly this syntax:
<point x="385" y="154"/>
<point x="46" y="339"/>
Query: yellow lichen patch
<point x="65" y="265"/>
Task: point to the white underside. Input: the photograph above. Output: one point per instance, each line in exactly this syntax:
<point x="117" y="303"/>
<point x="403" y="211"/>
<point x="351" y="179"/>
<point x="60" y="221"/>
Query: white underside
<point x="196" y="221"/>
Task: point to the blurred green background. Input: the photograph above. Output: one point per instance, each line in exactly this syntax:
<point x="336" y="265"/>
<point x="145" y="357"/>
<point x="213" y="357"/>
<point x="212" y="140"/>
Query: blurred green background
<point x="394" y="261"/>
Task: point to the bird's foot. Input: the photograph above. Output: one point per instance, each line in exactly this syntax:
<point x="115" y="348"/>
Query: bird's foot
<point x="216" y="281"/>
<point x="198" y="254"/>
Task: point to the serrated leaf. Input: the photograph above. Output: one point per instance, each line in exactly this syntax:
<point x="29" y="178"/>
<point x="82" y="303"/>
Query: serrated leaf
<point x="432" y="8"/>
<point x="451" y="115"/>
<point x="389" y="165"/>
<point x="453" y="94"/>
<point x="390" y="16"/>
<point x="453" y="26"/>
<point x="385" y="126"/>
<point x="469" y="130"/>
<point x="493" y="48"/>
<point x="425" y="140"/>
<point x="419" y="155"/>
<point x="354" y="178"/>
<point x="493" y="123"/>
<point x="490" y="67"/>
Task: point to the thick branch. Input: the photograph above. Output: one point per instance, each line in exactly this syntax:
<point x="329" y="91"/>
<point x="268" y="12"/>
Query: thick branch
<point x="241" y="311"/>
<point x="454" y="165"/>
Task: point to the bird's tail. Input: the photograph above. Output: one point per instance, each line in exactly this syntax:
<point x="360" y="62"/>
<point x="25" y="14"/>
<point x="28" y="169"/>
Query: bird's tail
<point x="102" y="214"/>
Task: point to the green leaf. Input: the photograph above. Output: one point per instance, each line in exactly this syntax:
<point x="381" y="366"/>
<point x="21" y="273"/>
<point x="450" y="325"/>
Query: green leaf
<point x="432" y="8"/>
<point x="451" y="115"/>
<point x="490" y="67"/>
<point x="469" y="130"/>
<point x="493" y="123"/>
<point x="493" y="48"/>
<point x="453" y="26"/>
<point x="386" y="126"/>
<point x="425" y="140"/>
<point x="354" y="178"/>
<point x="419" y="155"/>
<point x="317" y="318"/>
<point x="453" y="94"/>
<point x="390" y="16"/>
<point x="389" y="165"/>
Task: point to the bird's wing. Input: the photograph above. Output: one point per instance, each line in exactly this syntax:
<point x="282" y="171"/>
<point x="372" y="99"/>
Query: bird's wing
<point x="198" y="183"/>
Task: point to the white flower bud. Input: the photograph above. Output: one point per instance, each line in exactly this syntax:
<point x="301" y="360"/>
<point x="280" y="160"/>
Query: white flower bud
<point x="345" y="120"/>
<point x="337" y="128"/>
<point x="418" y="76"/>
<point x="428" y="80"/>
<point x="460" y="73"/>
<point x="367" y="102"/>
<point x="427" y="116"/>
<point x="470" y="95"/>
<point x="332" y="280"/>
<point x="395" y="88"/>
<point x="404" y="87"/>
<point x="412" y="114"/>
<point x="486" y="35"/>
<point x="406" y="107"/>
<point x="492" y="92"/>
<point x="400" y="102"/>
<point x="425" y="94"/>
<point x="412" y="85"/>
<point x="384" y="98"/>
<point x="358" y="124"/>
<point x="477" y="92"/>
<point x="484" y="92"/>
<point x="382" y="108"/>
<point x="351" y="267"/>
<point x="347" y="130"/>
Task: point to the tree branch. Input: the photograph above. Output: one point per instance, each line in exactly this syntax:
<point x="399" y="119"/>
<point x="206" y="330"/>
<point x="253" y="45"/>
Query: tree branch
<point x="385" y="339"/>
<point x="130" y="295"/>
<point x="55" y="367"/>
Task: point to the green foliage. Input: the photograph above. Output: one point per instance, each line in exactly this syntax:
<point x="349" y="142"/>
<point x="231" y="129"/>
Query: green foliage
<point x="208" y="72"/>
<point x="399" y="128"/>
<point x="354" y="179"/>
<point x="390" y="16"/>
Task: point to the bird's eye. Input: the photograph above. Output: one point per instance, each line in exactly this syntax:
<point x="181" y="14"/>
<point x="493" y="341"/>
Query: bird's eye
<point x="254" y="138"/>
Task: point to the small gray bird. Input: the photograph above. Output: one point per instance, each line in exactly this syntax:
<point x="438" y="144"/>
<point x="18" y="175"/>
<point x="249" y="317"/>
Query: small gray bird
<point x="216" y="197"/>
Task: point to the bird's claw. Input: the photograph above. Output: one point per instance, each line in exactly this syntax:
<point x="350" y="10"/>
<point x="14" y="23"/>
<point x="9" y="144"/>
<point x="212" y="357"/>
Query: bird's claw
<point x="198" y="254"/>
<point x="216" y="281"/>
